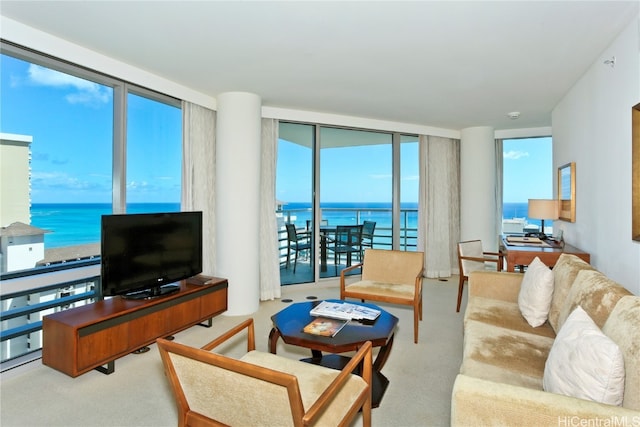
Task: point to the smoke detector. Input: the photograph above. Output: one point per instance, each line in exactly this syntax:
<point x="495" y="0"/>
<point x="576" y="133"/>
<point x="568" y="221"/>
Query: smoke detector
<point x="513" y="115"/>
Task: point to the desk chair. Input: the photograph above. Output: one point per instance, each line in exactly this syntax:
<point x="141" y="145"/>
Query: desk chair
<point x="471" y="257"/>
<point x="263" y="389"/>
<point x="298" y="242"/>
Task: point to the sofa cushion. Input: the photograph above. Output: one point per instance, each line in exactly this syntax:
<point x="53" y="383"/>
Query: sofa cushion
<point x="536" y="290"/>
<point x="595" y="293"/>
<point x="623" y="327"/>
<point x="503" y="314"/>
<point x="564" y="273"/>
<point x="503" y="355"/>
<point x="584" y="362"/>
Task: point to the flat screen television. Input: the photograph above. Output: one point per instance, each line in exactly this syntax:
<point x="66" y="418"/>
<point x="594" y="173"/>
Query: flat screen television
<point x="143" y="255"/>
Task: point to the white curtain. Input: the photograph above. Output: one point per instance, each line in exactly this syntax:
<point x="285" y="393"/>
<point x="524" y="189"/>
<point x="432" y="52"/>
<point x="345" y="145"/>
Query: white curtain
<point x="198" y="174"/>
<point x="439" y="204"/>
<point x="269" y="262"/>
<point x="498" y="190"/>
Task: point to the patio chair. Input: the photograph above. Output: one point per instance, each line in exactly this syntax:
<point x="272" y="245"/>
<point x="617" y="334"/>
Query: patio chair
<point x="298" y="242"/>
<point x="471" y="257"/>
<point x="389" y="276"/>
<point x="347" y="241"/>
<point x="263" y="389"/>
<point x="368" y="228"/>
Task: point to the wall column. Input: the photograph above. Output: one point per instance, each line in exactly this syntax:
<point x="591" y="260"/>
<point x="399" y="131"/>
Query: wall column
<point x="238" y="135"/>
<point x="477" y="186"/>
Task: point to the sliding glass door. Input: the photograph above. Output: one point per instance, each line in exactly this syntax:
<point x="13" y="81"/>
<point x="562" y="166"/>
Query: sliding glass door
<point x="356" y="182"/>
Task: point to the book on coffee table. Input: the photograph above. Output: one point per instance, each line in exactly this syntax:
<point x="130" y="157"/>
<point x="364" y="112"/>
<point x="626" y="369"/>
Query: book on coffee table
<point x="324" y="326"/>
<point x="344" y="311"/>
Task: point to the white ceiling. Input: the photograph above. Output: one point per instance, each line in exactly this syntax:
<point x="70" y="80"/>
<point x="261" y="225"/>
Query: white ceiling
<point x="444" y="64"/>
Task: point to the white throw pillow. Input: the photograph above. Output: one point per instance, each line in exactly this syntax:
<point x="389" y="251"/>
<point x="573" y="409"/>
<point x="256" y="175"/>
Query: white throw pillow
<point x="584" y="362"/>
<point x="536" y="291"/>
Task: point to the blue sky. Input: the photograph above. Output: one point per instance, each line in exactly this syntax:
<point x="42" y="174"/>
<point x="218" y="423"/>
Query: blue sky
<point x="71" y="123"/>
<point x="527" y="170"/>
<point x="70" y="120"/>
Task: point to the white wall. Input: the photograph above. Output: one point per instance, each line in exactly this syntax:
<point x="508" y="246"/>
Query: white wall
<point x="477" y="184"/>
<point x="592" y="127"/>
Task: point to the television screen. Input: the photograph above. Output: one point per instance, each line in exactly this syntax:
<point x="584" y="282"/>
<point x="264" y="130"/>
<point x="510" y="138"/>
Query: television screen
<point x="142" y="255"/>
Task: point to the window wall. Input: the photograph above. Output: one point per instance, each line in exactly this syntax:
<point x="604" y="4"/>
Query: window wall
<point x="341" y="176"/>
<point x="96" y="146"/>
<point x="527" y="174"/>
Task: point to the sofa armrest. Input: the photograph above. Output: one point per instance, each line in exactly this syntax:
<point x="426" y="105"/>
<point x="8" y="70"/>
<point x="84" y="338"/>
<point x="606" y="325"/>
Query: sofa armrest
<point x="497" y="285"/>
<point x="481" y="402"/>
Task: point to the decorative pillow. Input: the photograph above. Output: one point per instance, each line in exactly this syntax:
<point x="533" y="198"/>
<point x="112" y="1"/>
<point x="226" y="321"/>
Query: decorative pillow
<point x="584" y="362"/>
<point x="536" y="291"/>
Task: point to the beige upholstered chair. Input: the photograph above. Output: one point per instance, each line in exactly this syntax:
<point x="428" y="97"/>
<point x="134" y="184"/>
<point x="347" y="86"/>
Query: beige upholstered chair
<point x="263" y="389"/>
<point x="471" y="257"/>
<point x="389" y="276"/>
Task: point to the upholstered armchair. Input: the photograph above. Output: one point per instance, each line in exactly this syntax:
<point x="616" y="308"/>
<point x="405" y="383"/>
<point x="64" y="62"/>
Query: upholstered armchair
<point x="388" y="276"/>
<point x="263" y="389"/>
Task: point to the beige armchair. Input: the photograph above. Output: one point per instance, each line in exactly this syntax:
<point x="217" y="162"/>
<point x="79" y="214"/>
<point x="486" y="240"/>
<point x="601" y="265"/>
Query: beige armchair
<point x="389" y="276"/>
<point x="472" y="257"/>
<point x="262" y="389"/>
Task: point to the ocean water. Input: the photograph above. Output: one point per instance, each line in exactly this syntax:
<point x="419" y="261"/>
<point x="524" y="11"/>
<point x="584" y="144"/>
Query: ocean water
<point x="79" y="223"/>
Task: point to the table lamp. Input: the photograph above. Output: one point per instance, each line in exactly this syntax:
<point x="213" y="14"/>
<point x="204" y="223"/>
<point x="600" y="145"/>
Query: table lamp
<point x="543" y="209"/>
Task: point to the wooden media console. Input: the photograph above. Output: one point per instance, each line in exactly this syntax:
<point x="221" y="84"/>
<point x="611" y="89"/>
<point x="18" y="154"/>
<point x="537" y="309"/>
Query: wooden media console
<point x="88" y="337"/>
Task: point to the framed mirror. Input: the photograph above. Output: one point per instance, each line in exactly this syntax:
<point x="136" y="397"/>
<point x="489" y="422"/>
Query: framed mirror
<point x="567" y="192"/>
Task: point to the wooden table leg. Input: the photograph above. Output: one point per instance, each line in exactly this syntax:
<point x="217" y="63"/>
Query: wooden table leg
<point x="273" y="340"/>
<point x="383" y="355"/>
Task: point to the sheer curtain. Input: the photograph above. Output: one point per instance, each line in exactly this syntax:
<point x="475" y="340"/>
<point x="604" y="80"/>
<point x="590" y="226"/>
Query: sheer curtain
<point x="498" y="190"/>
<point x="269" y="262"/>
<point x="439" y="204"/>
<point x="198" y="174"/>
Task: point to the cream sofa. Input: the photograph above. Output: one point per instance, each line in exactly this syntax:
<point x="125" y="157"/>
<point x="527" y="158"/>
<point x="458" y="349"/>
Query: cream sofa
<point x="501" y="376"/>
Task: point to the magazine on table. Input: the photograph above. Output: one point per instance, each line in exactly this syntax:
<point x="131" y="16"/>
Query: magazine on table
<point x="325" y="326"/>
<point x="344" y="311"/>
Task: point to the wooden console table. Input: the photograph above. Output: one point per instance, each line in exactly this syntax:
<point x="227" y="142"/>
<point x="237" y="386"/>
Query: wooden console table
<point x="523" y="255"/>
<point x="78" y="340"/>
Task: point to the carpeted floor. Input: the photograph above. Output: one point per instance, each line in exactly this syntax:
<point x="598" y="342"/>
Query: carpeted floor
<point x="137" y="394"/>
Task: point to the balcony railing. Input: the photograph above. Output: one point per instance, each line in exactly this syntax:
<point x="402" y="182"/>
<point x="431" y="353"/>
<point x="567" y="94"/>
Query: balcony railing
<point x="27" y="296"/>
<point x="382" y="238"/>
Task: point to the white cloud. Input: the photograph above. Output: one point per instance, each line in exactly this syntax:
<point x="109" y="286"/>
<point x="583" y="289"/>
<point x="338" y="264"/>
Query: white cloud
<point x="515" y="155"/>
<point x="84" y="91"/>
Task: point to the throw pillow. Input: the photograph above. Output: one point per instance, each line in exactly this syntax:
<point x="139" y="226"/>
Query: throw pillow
<point x="584" y="362"/>
<point x="535" y="294"/>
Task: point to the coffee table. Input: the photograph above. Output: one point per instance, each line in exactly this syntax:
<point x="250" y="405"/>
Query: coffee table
<point x="289" y="322"/>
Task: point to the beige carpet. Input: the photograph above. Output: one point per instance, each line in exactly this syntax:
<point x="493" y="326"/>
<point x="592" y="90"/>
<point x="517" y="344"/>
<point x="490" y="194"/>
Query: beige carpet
<point x="137" y="394"/>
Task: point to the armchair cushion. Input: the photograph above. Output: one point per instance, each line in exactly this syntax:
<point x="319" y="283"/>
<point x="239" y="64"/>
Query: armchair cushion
<point x="313" y="380"/>
<point x="384" y="289"/>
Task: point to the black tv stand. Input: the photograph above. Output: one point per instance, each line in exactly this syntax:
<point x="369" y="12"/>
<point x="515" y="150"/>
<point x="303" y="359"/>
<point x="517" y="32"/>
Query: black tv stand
<point x="155" y="292"/>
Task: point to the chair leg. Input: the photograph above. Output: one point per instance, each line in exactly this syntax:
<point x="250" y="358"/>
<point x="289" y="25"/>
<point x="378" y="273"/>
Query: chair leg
<point x="415" y="324"/>
<point x="460" y="284"/>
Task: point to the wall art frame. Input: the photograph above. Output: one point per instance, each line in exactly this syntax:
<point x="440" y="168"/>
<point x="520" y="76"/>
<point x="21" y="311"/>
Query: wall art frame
<point x="567" y="192"/>
<point x="635" y="173"/>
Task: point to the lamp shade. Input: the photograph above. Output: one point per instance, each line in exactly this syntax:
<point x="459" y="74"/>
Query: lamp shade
<point x="543" y="209"/>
